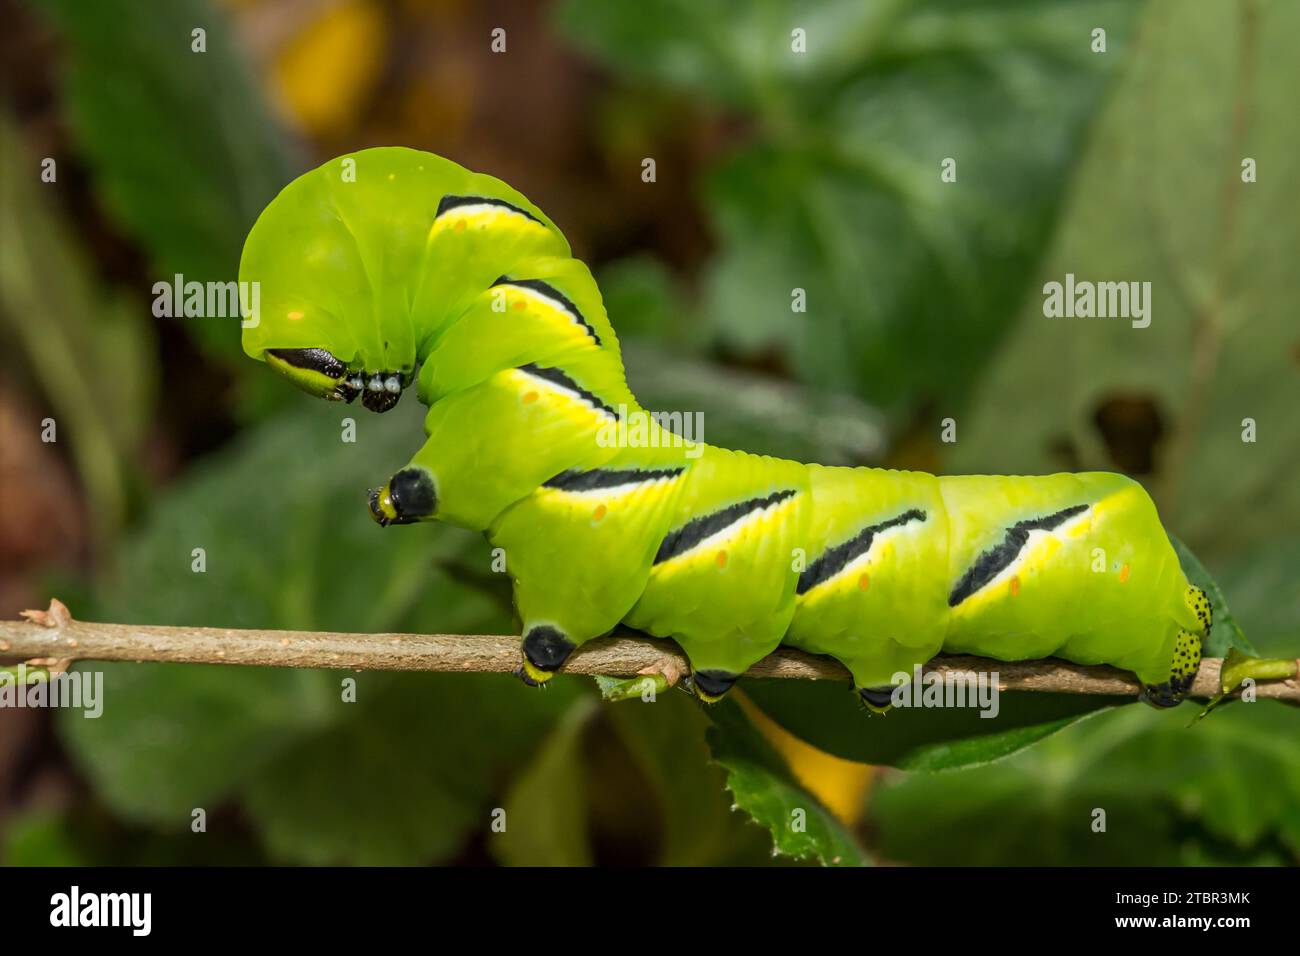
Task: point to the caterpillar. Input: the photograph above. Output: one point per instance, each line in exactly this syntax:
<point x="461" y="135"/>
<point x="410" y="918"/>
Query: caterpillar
<point x="392" y="268"/>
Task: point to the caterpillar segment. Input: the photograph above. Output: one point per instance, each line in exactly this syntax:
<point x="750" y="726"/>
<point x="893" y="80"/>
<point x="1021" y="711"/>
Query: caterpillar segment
<point x="721" y="582"/>
<point x="418" y="272"/>
<point x="867" y="594"/>
<point x="580" y="549"/>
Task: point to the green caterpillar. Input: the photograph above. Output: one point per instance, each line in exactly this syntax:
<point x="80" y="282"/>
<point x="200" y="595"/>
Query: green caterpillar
<point x="392" y="267"/>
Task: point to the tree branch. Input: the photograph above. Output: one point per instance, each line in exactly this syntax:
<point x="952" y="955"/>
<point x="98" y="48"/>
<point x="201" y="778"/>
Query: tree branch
<point x="55" y="635"/>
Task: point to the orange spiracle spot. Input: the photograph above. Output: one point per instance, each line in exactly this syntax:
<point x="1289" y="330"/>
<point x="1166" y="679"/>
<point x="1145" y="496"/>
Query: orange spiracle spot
<point x="864" y="582"/>
<point x="1123" y="574"/>
<point x="599" y="513"/>
<point x="1015" y="585"/>
<point x="722" y="559"/>
<point x="460" y="225"/>
<point x="519" y="305"/>
<point x="530" y="397"/>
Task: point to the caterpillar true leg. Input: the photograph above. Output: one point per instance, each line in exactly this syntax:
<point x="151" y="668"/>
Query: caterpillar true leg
<point x="407" y="497"/>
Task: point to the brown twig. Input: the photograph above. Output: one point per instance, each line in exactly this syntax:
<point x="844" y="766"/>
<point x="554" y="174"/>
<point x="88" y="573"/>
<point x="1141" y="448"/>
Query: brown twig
<point x="55" y="634"/>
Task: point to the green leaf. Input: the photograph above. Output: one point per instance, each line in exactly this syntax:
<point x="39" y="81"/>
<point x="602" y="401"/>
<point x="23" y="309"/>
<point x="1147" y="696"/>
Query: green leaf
<point x="1219" y="255"/>
<point x="86" y="348"/>
<point x="1225" y="790"/>
<point x="909" y="280"/>
<point x="1240" y="777"/>
<point x="667" y="741"/>
<point x="387" y="785"/>
<point x="181" y="143"/>
<point x="1225" y="632"/>
<point x="1265" y="590"/>
<point x="175" y="737"/>
<point x="41" y="838"/>
<point x="84" y="835"/>
<point x="545" y="810"/>
<point x="744" y="410"/>
<point x="287" y="542"/>
<point x="631" y="688"/>
<point x="1262" y="582"/>
<point x="828" y="716"/>
<point x="1229" y="787"/>
<point x="641" y="298"/>
<point x="764" y="788"/>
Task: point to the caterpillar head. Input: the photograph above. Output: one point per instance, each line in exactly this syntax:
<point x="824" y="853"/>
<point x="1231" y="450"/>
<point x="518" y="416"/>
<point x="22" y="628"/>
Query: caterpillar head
<point x="353" y="268"/>
<point x="318" y="372"/>
<point x="328" y="272"/>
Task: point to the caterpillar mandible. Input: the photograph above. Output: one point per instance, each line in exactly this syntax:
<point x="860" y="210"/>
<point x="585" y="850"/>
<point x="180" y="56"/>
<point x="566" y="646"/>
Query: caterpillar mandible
<point x="416" y="271"/>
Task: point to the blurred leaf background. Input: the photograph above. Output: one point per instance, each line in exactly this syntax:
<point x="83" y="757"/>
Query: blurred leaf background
<point x="776" y="170"/>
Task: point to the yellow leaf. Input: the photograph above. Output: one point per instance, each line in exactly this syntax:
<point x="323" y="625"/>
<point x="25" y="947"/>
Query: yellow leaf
<point x="841" y="785"/>
<point x="325" y="74"/>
